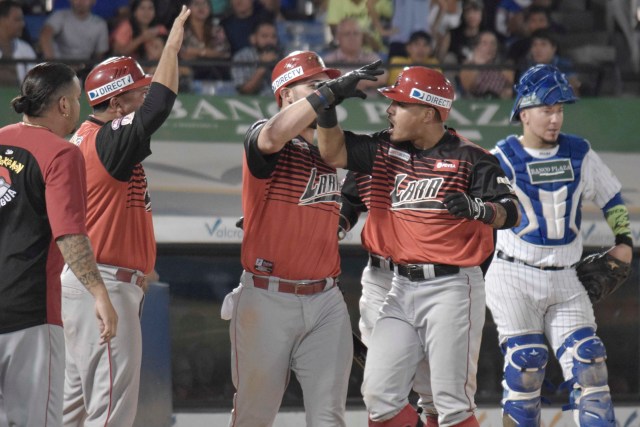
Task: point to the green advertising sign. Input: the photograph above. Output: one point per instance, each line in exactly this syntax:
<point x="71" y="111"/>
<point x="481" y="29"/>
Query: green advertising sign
<point x="609" y="124"/>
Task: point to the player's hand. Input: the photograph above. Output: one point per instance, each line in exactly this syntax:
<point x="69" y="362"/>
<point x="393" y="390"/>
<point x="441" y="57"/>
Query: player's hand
<point x="463" y="206"/>
<point x="174" y="40"/>
<point x="344" y="87"/>
<point x="107" y="317"/>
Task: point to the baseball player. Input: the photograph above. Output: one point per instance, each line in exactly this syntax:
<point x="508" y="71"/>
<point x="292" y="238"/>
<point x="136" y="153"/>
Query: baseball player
<point x="42" y="225"/>
<point x="532" y="287"/>
<point x="288" y="313"/>
<point x="435" y="198"/>
<point x="376" y="276"/>
<point x="102" y="382"/>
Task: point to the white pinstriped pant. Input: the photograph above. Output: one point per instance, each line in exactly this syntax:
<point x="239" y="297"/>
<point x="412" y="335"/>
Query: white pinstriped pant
<point x="525" y="300"/>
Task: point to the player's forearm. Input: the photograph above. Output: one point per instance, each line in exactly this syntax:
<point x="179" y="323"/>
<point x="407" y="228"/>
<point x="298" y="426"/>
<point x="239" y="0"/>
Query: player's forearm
<point x="331" y="143"/>
<point x="77" y="253"/>
<point x="501" y="217"/>
<point x="167" y="70"/>
<point x="284" y="126"/>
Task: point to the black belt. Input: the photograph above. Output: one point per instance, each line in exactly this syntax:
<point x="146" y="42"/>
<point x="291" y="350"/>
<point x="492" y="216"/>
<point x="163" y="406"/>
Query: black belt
<point x="506" y="257"/>
<point x="415" y="272"/>
<point x="379" y="262"/>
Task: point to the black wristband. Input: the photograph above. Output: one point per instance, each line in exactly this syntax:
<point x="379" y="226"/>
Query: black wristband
<point x="624" y="239"/>
<point x="321" y="99"/>
<point x="511" y="208"/>
<point x="327" y="118"/>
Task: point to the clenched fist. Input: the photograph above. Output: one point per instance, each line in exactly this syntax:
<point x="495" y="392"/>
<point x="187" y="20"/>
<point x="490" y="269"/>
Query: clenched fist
<point x="463" y="206"/>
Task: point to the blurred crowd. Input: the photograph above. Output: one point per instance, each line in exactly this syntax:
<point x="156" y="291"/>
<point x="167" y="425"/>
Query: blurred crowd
<point x="231" y="45"/>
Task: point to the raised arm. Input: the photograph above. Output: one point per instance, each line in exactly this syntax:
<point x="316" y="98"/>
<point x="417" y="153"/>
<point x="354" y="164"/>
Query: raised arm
<point x="167" y="71"/>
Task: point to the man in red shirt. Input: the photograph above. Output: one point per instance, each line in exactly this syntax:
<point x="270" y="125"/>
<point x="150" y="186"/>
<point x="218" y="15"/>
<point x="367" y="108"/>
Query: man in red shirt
<point x="42" y="225"/>
<point x="102" y="384"/>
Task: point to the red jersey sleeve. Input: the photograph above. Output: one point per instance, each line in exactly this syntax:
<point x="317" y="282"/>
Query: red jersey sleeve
<point x="66" y="193"/>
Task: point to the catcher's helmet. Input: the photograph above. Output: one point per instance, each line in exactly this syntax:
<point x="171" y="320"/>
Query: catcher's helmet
<point x="541" y="85"/>
<point x="422" y="85"/>
<point x="112" y="77"/>
<point x="296" y="66"/>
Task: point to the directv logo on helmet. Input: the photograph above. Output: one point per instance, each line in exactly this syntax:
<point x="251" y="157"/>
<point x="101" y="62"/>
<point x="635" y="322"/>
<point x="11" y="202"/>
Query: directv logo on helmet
<point x="430" y="98"/>
<point x="111" y="87"/>
<point x="285" y="77"/>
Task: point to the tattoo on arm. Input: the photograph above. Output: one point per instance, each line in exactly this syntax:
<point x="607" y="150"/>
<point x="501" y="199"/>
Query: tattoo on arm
<point x="77" y="252"/>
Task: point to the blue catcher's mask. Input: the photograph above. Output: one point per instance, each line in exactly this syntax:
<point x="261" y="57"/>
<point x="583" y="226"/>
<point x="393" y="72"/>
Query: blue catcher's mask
<point x="541" y="85"/>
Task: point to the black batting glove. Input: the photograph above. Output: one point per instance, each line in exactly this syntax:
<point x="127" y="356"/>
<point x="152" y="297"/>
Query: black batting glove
<point x="344" y="87"/>
<point x="463" y="206"/>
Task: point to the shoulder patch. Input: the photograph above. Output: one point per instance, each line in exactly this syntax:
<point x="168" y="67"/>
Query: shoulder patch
<point x="122" y="121"/>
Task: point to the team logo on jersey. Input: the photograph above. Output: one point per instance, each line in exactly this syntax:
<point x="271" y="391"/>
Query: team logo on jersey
<point x="555" y="170"/>
<point x="122" y="121"/>
<point x="7" y="194"/>
<point x="446" y="165"/>
<point x="320" y="189"/>
<point x="76" y="139"/>
<point x="402" y="155"/>
<point x="417" y="194"/>
<point x="263" y="265"/>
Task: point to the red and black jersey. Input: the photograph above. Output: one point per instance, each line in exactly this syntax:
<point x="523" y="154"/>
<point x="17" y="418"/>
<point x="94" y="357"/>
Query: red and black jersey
<point x="290" y="203"/>
<point x="119" y="206"/>
<point x="42" y="197"/>
<point x="407" y="217"/>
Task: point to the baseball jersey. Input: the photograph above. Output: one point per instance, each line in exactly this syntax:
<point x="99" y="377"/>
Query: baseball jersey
<point x="356" y="190"/>
<point x="42" y="197"/>
<point x="119" y="206"/>
<point x="551" y="185"/>
<point x="290" y="203"/>
<point x="408" y="218"/>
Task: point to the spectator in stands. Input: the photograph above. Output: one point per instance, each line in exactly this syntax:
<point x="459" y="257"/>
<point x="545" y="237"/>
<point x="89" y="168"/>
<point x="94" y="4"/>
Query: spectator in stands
<point x="203" y="39"/>
<point x="509" y="19"/>
<point x="462" y="38"/>
<point x="11" y="46"/>
<point x="410" y="16"/>
<point x="131" y="36"/>
<point x="445" y="15"/>
<point x="351" y="50"/>
<point x="544" y="50"/>
<point x="535" y="18"/>
<point x="419" y="52"/>
<point x="255" y="79"/>
<point x="106" y="9"/>
<point x="75" y="33"/>
<point x="368" y="15"/>
<point x="245" y="14"/>
<point x="486" y="82"/>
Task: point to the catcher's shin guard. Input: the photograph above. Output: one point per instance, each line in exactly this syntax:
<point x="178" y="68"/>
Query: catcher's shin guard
<point x="590" y="400"/>
<point x="526" y="358"/>
<point x="407" y="417"/>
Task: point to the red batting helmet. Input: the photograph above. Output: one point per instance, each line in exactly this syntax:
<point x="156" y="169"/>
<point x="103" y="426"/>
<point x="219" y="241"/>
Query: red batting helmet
<point x="421" y="85"/>
<point x="296" y="66"/>
<point x="112" y="77"/>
